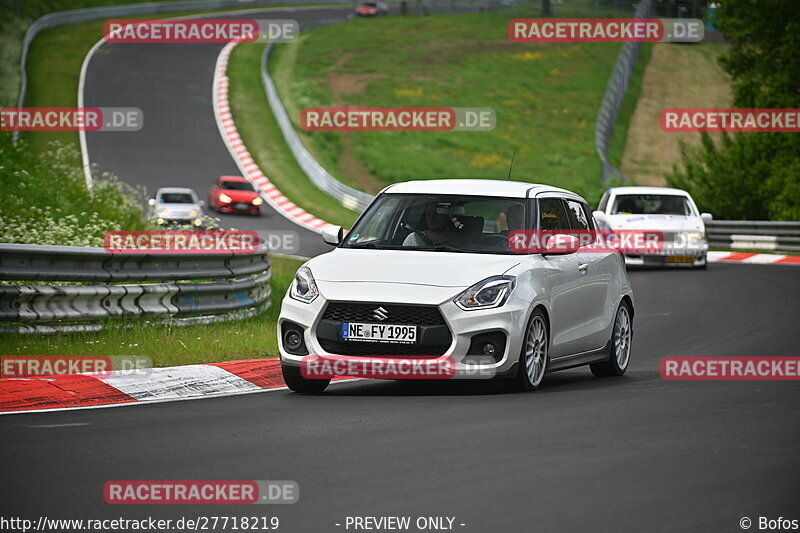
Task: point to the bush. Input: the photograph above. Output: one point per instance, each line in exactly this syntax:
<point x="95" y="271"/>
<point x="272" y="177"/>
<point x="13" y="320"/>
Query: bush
<point x="45" y="199"/>
<point x="753" y="176"/>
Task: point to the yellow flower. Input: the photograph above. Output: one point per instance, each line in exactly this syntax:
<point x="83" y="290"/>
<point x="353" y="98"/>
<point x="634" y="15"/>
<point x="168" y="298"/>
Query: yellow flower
<point x="527" y="56"/>
<point x="485" y="160"/>
<point x="409" y="93"/>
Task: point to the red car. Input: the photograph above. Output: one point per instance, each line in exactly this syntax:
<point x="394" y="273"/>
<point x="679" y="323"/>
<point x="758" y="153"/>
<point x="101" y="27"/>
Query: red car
<point x="372" y="9"/>
<point x="234" y="194"/>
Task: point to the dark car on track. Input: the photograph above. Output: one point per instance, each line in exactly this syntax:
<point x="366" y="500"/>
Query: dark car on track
<point x="234" y="194"/>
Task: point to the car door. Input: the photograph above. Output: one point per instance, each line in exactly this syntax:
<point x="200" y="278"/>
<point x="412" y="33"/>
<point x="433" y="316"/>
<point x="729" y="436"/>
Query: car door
<point x="563" y="281"/>
<point x="596" y="266"/>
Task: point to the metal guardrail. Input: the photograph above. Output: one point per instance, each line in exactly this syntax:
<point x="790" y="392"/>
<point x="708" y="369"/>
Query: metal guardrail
<point x="754" y="235"/>
<point x="347" y="196"/>
<point x="124" y="285"/>
<point x="615" y="93"/>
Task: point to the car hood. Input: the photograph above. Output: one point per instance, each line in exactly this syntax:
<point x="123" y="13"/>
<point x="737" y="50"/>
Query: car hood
<point x="437" y="269"/>
<point x="177" y="209"/>
<point x="657" y="222"/>
<point x="239" y="196"/>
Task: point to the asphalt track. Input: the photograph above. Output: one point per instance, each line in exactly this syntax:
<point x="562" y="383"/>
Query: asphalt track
<point x="631" y="454"/>
<point x="636" y="453"/>
<point x="179" y="144"/>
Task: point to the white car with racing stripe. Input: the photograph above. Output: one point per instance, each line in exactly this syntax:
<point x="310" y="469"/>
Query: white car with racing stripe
<point x="669" y="214"/>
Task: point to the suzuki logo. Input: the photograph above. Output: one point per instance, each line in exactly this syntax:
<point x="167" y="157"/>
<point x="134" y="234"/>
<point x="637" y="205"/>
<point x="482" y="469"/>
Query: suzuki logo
<point x="380" y="314"/>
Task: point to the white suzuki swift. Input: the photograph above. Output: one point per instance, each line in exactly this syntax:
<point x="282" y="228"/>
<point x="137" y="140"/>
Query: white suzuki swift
<point x="431" y="262"/>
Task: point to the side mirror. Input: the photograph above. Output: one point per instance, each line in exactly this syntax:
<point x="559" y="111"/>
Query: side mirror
<point x="332" y="235"/>
<point x="151" y="202"/>
<point x="561" y="244"/>
<point x="601" y="218"/>
<point x="201" y="203"/>
<point x="707" y="217"/>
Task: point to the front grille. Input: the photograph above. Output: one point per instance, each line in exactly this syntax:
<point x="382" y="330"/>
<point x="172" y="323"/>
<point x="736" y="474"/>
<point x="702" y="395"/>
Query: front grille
<point x="380" y="348"/>
<point x="419" y="315"/>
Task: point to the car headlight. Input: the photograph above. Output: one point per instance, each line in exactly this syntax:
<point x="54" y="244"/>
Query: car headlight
<point x="224" y="198"/>
<point x="690" y="237"/>
<point x="257" y="201"/>
<point x="487" y="294"/>
<point x="163" y="212"/>
<point x="304" y="288"/>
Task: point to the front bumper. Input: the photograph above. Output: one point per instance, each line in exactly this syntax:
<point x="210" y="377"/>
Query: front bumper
<point x="238" y="207"/>
<point x="693" y="255"/>
<point x="462" y="325"/>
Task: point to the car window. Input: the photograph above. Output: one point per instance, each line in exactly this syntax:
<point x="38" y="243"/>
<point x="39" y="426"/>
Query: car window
<point x="236" y="186"/>
<point x="477" y="224"/>
<point x="552" y="215"/>
<point x="577" y="216"/>
<point x="603" y="202"/>
<point x="175" y="198"/>
<point x="652" y="204"/>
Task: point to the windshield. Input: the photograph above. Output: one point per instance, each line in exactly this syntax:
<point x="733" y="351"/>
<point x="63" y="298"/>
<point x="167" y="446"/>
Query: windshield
<point x="652" y="204"/>
<point x="448" y="223"/>
<point x="176" y="198"/>
<point x="236" y="186"/>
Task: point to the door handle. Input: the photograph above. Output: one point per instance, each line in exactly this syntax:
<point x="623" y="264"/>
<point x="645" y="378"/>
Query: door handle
<point x="583" y="266"/>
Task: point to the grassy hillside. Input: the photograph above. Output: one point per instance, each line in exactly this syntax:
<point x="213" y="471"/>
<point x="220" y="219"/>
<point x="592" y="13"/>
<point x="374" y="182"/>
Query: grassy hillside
<point x="546" y="98"/>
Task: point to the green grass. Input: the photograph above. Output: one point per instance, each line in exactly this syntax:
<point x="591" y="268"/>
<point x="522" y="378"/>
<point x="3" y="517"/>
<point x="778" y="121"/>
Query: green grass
<point x="171" y="345"/>
<point x="546" y="98"/>
<point x="264" y="141"/>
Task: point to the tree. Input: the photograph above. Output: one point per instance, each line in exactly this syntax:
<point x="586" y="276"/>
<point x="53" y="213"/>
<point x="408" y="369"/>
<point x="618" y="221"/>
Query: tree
<point x="752" y="175"/>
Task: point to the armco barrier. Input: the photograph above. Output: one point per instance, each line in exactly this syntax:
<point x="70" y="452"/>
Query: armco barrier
<point x="754" y="235"/>
<point x="615" y="93"/>
<point x="347" y="196"/>
<point x="184" y="288"/>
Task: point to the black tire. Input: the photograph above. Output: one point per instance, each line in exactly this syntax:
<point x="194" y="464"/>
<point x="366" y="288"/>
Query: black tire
<point x="523" y="382"/>
<point x="296" y="382"/>
<point x="615" y="367"/>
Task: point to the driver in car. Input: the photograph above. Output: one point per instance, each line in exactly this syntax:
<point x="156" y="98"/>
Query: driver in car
<point x="442" y="230"/>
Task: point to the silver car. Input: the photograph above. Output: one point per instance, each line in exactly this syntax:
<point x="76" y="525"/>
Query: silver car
<point x="177" y="206"/>
<point x="427" y="270"/>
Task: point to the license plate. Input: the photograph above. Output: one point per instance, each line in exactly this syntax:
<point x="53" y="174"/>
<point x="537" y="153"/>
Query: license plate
<point x="392" y="333"/>
<point x="241" y="206"/>
<point x="680" y="259"/>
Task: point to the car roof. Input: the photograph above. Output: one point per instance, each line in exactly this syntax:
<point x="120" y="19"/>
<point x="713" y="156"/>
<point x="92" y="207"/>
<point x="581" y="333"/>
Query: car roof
<point x="647" y="190"/>
<point x="175" y="190"/>
<point x="473" y="187"/>
<point x="234" y="178"/>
